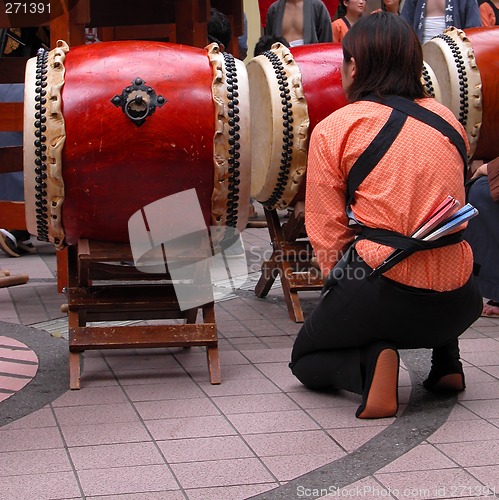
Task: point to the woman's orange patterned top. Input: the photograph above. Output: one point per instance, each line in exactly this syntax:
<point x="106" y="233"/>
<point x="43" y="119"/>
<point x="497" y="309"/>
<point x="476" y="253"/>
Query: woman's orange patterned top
<point x="419" y="171"/>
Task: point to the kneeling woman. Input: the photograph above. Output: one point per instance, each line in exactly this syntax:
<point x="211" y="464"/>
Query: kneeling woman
<point x="377" y="168"/>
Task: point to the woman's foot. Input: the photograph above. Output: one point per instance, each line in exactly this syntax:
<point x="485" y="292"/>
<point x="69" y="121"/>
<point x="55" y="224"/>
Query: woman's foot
<point x="491" y="309"/>
<point x="15" y="243"/>
<point x="449" y="379"/>
<point x="380" y="399"/>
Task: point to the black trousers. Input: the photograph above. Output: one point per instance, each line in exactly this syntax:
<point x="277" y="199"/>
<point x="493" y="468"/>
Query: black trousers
<point x="357" y="313"/>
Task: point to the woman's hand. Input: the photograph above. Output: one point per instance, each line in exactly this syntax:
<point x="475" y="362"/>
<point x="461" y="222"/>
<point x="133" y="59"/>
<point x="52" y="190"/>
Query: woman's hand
<point x="481" y="170"/>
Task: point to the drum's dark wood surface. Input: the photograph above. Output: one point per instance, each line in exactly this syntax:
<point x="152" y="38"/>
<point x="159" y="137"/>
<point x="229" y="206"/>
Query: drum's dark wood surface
<point x="12" y="69"/>
<point x="12" y="113"/>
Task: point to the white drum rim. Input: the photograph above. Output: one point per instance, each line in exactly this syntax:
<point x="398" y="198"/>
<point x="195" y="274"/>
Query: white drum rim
<point x="44" y="139"/>
<point x="465" y="82"/>
<point x="231" y="142"/>
<point x="288" y="145"/>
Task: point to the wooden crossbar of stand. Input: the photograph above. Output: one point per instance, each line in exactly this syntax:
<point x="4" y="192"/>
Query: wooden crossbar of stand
<point x="291" y="259"/>
<point x="103" y="287"/>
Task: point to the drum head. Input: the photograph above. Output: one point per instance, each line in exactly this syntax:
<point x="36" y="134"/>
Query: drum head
<point x="279" y="127"/>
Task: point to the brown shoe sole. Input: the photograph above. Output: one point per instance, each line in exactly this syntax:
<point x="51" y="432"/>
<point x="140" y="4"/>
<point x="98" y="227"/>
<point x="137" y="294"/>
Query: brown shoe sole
<point x="382" y="400"/>
<point x="450" y="382"/>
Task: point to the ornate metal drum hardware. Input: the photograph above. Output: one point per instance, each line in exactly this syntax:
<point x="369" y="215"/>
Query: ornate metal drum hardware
<point x="138" y="101"/>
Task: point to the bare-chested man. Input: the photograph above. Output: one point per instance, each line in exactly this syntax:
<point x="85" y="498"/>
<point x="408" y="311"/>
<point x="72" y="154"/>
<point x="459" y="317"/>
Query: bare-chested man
<point x="430" y="17"/>
<point x="299" y="22"/>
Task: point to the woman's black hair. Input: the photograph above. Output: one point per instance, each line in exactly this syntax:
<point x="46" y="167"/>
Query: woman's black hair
<point x="388" y="57"/>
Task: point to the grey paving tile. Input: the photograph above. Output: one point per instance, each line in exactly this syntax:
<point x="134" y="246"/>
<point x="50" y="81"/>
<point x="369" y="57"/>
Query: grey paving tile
<point x="205" y="448"/>
<point x="235" y="472"/>
<point x="108" y="456"/>
<point x="190" y="427"/>
<point x="18" y="463"/>
<point x="104" y="433"/>
<point x="261" y="423"/>
<point x="438" y="483"/>
<point x="55" y="485"/>
<point x="30" y="439"/>
<point x="126" y="480"/>
<point x="229" y="492"/>
<point x="475" y="453"/>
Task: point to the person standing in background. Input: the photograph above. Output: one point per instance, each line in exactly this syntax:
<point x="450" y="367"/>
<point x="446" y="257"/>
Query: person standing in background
<point x="392" y="6"/>
<point x="355" y="9"/>
<point x="299" y="22"/>
<point x="482" y="233"/>
<point x="489" y="12"/>
<point x="263" y="5"/>
<point x="431" y="17"/>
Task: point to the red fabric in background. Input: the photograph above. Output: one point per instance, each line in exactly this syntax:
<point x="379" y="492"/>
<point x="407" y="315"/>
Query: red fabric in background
<point x="332" y="7"/>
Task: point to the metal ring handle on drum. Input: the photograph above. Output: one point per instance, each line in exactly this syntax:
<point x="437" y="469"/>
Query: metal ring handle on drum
<point x="139" y="100"/>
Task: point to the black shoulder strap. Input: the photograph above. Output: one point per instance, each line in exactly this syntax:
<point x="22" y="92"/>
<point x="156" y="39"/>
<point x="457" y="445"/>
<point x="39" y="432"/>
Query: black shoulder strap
<point x="346" y="21"/>
<point x="374" y="152"/>
<point x="402" y="107"/>
<point x="426" y="116"/>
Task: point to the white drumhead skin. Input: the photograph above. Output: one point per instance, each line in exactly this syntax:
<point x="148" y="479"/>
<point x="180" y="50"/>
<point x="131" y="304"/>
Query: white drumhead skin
<point x="279" y="127"/>
<point x="265" y="125"/>
<point x="29" y="147"/>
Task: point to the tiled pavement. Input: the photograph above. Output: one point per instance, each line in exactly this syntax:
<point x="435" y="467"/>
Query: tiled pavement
<point x="147" y="424"/>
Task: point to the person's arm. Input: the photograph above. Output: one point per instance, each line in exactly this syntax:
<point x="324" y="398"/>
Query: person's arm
<point x="325" y="217"/>
<point x="472" y="17"/>
<point x="487" y="15"/>
<point x="491" y="170"/>
<point x="336" y="31"/>
<point x="493" y="175"/>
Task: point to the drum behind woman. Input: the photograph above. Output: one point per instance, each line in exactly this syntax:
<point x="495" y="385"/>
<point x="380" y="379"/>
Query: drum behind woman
<point x="466" y="68"/>
<point x="291" y="90"/>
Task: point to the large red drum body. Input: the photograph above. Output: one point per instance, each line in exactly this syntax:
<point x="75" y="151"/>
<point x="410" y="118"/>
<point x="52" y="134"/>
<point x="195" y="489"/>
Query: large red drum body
<point x="291" y="90"/>
<point x="123" y="124"/>
<point x="466" y="70"/>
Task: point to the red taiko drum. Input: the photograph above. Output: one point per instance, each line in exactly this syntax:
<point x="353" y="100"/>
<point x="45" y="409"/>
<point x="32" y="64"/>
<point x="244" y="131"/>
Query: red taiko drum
<point x="466" y="71"/>
<point x="291" y="90"/>
<point x="114" y="126"/>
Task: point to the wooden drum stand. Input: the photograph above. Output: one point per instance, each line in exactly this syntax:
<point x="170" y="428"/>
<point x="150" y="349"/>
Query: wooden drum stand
<point x="291" y="259"/>
<point x="103" y="287"/>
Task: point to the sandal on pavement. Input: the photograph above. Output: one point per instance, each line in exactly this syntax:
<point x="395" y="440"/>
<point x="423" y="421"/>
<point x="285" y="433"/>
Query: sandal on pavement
<point x="8" y="243"/>
<point x="14" y="246"/>
<point x="490" y="309"/>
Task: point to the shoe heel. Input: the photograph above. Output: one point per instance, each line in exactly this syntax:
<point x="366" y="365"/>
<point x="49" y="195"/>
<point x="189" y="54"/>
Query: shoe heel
<point x="382" y="396"/>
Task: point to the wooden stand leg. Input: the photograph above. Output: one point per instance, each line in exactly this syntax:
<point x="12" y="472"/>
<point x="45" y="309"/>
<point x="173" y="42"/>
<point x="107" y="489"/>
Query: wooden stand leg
<point x="291" y="259"/>
<point x="74" y="370"/>
<point x="214" y="365"/>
